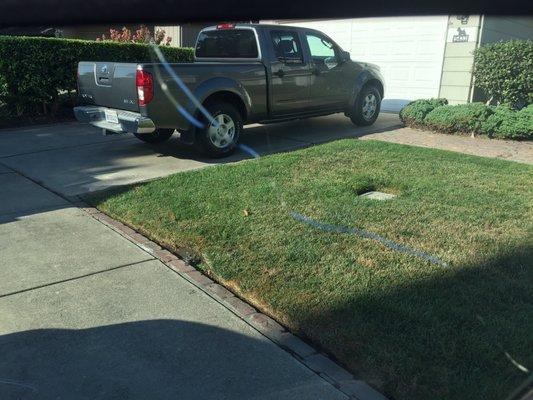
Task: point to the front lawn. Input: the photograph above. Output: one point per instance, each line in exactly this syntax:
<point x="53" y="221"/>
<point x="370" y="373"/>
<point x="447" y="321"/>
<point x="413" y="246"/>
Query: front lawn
<point x="280" y="232"/>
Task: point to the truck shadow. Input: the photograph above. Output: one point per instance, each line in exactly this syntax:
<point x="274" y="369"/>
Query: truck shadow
<point x="288" y="136"/>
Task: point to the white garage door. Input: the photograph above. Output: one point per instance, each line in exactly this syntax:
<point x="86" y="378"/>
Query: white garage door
<point x="409" y="51"/>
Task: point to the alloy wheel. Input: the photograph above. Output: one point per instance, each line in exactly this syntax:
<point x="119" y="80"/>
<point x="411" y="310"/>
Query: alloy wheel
<point x="370" y="103"/>
<point x="221" y="131"/>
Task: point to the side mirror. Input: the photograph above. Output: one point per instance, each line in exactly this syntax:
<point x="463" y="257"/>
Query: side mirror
<point x="331" y="62"/>
<point x="345" y="56"/>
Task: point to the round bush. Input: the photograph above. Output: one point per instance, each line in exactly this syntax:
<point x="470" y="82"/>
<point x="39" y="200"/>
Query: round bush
<point x="413" y="114"/>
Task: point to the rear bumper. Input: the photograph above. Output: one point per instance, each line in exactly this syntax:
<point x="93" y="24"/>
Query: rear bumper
<point x="127" y="121"/>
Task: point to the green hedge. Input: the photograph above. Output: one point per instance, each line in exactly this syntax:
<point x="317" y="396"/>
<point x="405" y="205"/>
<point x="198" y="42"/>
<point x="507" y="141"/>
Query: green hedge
<point x="415" y="112"/>
<point x="474" y="118"/>
<point x="503" y="71"/>
<point x="35" y="71"/>
<point x="466" y="118"/>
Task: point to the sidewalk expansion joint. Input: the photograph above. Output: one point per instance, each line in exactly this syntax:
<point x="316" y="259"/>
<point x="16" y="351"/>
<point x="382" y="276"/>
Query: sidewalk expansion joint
<point x="75" y="278"/>
<point x="62" y="148"/>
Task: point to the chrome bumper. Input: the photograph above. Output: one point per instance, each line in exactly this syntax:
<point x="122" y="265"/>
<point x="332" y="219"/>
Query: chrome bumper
<point x="127" y="121"/>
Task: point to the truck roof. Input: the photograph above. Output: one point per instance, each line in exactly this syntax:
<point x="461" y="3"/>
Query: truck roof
<point x="265" y="26"/>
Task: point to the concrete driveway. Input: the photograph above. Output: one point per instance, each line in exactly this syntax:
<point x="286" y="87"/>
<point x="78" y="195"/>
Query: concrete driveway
<point x="73" y="159"/>
<point x="87" y="314"/>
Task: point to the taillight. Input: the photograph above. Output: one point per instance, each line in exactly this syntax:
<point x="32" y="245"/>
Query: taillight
<point x="225" y="26"/>
<point x="145" y="87"/>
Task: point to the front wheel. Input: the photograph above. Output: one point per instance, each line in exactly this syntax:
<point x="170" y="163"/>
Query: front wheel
<point x="220" y="135"/>
<point x="157" y="136"/>
<point x="367" y="106"/>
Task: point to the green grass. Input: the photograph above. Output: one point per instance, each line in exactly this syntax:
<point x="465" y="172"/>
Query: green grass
<point x="412" y="329"/>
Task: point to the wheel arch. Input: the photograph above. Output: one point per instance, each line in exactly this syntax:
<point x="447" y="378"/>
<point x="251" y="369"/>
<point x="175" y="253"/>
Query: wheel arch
<point x="226" y="96"/>
<point x="364" y="79"/>
<point x="377" y="83"/>
<point x="229" y="97"/>
<point x="224" y="89"/>
<point x="217" y="89"/>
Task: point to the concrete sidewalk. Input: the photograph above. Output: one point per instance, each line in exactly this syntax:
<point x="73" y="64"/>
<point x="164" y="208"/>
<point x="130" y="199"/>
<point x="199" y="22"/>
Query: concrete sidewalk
<point x="510" y="150"/>
<point x="86" y="314"/>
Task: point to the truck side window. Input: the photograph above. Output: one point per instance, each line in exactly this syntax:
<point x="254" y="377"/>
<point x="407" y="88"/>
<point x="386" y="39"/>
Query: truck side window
<point x="320" y="47"/>
<point x="287" y="47"/>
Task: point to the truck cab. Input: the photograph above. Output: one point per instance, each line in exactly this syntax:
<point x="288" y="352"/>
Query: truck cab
<point x="309" y="73"/>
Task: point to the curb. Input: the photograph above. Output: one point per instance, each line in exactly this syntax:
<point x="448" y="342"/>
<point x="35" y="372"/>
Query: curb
<point x="318" y="362"/>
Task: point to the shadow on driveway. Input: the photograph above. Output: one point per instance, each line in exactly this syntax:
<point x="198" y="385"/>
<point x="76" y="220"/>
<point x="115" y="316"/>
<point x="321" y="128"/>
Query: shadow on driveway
<point x="74" y="159"/>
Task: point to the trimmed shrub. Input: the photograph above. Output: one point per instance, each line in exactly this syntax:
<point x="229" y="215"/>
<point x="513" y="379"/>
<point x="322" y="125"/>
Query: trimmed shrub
<point x="415" y="112"/>
<point x="465" y="118"/>
<point x="507" y="123"/>
<point x="35" y="71"/>
<point x="500" y="122"/>
<point x="503" y="71"/>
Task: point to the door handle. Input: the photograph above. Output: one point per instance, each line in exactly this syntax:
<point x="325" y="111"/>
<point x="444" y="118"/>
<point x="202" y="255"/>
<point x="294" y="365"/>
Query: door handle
<point x="280" y="73"/>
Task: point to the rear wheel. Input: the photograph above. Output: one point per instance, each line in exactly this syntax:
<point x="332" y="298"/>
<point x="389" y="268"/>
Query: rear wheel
<point x="367" y="106"/>
<point x="220" y="136"/>
<point x="157" y="136"/>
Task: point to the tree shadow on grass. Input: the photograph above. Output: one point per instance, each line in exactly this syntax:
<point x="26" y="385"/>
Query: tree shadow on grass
<point x="444" y="338"/>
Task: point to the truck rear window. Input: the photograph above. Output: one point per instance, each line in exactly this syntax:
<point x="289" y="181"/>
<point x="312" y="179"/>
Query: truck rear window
<point x="227" y="43"/>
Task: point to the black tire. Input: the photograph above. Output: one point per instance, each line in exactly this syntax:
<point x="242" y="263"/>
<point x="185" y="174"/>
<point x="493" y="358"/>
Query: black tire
<point x="157" y="136"/>
<point x="221" y="143"/>
<point x="361" y="116"/>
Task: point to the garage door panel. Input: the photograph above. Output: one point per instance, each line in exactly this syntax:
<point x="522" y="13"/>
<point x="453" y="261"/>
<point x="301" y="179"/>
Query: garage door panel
<point x="398" y="74"/>
<point x="403" y="48"/>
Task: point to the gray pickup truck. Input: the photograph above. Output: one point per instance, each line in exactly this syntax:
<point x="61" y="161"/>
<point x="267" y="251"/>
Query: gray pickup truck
<point x="242" y="74"/>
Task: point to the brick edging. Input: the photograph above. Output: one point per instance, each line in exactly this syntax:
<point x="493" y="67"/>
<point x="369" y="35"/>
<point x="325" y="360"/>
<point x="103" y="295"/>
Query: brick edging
<point x="314" y="360"/>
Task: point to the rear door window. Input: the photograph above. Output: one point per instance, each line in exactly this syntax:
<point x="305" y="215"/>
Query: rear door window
<point x="287" y="47"/>
<point x="227" y="43"/>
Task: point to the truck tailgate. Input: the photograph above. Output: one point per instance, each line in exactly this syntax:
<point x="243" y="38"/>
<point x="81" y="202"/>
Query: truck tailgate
<point x="108" y="84"/>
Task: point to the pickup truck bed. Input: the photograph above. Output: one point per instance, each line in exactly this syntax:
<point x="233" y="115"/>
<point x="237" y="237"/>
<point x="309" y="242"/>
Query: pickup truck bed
<point x="119" y="90"/>
<point x="242" y="74"/>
